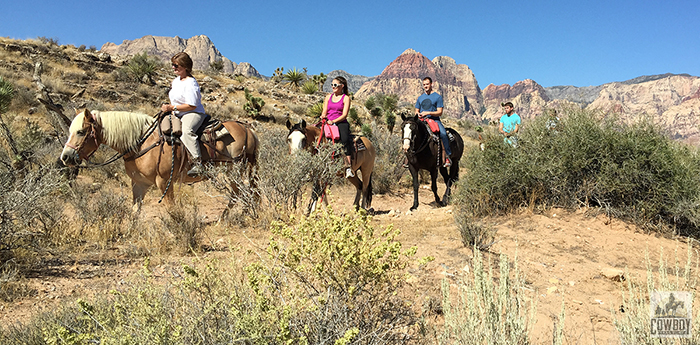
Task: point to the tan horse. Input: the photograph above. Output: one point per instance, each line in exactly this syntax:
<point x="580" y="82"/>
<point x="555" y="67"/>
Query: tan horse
<point x="147" y="158"/>
<point x="303" y="137"/>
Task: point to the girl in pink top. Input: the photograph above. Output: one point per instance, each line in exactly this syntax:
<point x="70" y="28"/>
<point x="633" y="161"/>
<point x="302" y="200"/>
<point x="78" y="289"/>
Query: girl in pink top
<point x="335" y="110"/>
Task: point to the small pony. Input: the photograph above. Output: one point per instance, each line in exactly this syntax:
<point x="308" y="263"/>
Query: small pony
<point x="147" y="158"/>
<point x="423" y="149"/>
<point x="305" y="137"/>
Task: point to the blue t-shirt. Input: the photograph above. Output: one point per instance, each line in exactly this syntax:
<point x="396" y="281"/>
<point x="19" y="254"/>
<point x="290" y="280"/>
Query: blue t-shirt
<point x="509" y="122"/>
<point x="429" y="102"/>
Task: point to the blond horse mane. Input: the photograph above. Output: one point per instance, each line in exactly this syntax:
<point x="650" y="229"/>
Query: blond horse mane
<point x="121" y="130"/>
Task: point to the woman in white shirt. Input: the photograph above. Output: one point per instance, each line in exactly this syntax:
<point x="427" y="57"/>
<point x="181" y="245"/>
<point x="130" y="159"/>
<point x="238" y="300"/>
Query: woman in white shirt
<point x="186" y="104"/>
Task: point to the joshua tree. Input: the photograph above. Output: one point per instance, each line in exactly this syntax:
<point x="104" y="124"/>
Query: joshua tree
<point x="278" y="75"/>
<point x="319" y="79"/>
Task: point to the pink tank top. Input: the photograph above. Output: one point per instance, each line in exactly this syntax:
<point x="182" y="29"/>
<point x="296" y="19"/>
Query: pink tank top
<point x="335" y="110"/>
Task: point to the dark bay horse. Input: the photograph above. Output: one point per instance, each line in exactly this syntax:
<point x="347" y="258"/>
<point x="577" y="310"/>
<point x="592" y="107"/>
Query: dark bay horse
<point x="147" y="158"/>
<point x="305" y="137"/>
<point x="423" y="152"/>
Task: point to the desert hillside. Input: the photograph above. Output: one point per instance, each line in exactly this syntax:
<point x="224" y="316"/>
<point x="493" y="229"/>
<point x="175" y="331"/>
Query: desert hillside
<point x="559" y="270"/>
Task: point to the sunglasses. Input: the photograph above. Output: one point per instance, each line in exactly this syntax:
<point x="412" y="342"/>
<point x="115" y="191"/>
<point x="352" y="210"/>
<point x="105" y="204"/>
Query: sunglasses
<point x="176" y="65"/>
<point x="336" y="85"/>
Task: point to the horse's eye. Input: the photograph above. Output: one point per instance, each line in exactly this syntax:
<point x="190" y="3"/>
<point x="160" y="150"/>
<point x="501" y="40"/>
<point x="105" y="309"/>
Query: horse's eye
<point x="81" y="132"/>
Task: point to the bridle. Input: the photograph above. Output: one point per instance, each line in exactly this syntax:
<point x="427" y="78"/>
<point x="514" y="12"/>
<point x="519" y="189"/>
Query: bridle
<point x="426" y="140"/>
<point x="90" y="136"/>
<point x="93" y="136"/>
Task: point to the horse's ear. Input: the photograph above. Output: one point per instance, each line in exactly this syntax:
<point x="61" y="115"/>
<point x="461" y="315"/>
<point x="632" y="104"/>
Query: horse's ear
<point x="403" y="116"/>
<point x="88" y="116"/>
<point x="303" y="123"/>
<point x="289" y="124"/>
<point x="77" y="112"/>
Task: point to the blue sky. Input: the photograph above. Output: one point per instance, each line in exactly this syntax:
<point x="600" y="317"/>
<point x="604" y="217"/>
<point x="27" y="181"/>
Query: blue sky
<point x="577" y="43"/>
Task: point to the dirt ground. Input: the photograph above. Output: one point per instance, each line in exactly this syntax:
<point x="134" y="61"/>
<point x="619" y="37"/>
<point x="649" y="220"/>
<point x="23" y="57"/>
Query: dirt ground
<point x="560" y="253"/>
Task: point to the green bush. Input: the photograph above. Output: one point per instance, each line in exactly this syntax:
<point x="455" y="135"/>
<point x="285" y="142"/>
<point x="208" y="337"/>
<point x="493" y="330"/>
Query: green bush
<point x="328" y="278"/>
<point x="340" y="278"/>
<point x="633" y="172"/>
<point x="315" y="110"/>
<point x="309" y="87"/>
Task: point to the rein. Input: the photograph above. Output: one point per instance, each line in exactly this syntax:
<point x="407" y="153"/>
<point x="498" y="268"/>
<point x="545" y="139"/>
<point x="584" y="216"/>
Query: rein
<point x="425" y="142"/>
<point x="119" y="155"/>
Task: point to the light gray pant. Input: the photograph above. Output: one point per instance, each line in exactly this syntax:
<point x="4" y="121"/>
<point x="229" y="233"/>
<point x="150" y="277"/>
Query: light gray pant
<point x="190" y="124"/>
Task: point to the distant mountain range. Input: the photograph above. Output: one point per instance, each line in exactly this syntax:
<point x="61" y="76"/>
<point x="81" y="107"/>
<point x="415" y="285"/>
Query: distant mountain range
<point x="200" y="48"/>
<point x="672" y="100"/>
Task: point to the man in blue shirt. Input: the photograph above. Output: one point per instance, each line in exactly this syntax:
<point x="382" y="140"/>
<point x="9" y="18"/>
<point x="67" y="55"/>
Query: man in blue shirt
<point x="430" y="105"/>
<point x="509" y="124"/>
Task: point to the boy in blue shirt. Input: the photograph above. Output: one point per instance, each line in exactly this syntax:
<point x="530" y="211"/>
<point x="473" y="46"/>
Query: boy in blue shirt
<point x="509" y="124"/>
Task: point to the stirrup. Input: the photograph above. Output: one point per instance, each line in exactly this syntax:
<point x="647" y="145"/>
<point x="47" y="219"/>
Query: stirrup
<point x="196" y="170"/>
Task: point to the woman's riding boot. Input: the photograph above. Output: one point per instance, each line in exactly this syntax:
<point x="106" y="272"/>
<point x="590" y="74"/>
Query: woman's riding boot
<point x="348" y="171"/>
<point x="196" y="168"/>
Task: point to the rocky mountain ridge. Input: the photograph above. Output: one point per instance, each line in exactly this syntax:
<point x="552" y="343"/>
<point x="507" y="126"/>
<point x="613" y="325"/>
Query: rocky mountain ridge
<point x="455" y="82"/>
<point x="200" y="48"/>
<point x="671" y="100"/>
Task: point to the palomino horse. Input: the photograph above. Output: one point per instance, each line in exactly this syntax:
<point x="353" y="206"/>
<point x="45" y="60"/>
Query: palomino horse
<point x="303" y="137"/>
<point x="423" y="152"/>
<point x="147" y="158"/>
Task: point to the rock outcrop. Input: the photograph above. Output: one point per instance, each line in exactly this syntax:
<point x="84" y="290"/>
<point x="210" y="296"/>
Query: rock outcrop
<point x="455" y="82"/>
<point x="529" y="99"/>
<point x="200" y="48"/>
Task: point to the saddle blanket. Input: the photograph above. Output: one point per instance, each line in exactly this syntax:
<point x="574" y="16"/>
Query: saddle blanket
<point x="213" y="133"/>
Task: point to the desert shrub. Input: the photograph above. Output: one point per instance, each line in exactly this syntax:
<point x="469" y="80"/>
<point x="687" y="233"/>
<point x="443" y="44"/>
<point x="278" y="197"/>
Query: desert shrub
<point x="473" y="232"/>
<point x="633" y="172"/>
<point x="199" y="306"/>
<point x="315" y="110"/>
<point x="185" y="223"/>
<point x="309" y="87"/>
<point x="29" y="213"/>
<point x="216" y="66"/>
<point x="354" y="117"/>
<point x="103" y="215"/>
<point x="486" y="312"/>
<point x="142" y="66"/>
<point x="280" y="178"/>
<point x="388" y="167"/>
<point x="340" y="279"/>
<point x="321" y="286"/>
<point x="633" y="321"/>
<point x="298" y="109"/>
<point x="239" y="78"/>
<point x="50" y="41"/>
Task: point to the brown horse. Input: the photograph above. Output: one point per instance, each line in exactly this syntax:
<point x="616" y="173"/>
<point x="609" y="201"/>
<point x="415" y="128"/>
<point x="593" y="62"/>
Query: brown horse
<point x="147" y="157"/>
<point x="304" y="137"/>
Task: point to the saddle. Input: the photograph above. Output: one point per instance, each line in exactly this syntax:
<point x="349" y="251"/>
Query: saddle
<point x="208" y="132"/>
<point x="434" y="129"/>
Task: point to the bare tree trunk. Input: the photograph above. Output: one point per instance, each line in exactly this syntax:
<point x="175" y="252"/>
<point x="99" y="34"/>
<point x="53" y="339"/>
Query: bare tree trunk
<point x="57" y="118"/>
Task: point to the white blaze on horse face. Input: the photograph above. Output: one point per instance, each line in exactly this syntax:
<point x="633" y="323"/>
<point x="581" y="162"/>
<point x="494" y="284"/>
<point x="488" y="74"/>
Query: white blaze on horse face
<point x="406" y="137"/>
<point x="296" y="141"/>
